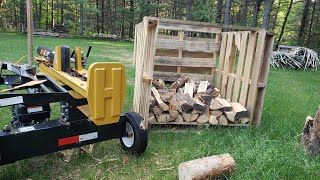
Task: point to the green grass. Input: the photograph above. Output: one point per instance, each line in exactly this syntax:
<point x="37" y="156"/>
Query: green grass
<point x="268" y="152"/>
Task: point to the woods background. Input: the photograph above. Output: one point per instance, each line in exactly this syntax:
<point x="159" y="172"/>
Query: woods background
<point x="296" y="22"/>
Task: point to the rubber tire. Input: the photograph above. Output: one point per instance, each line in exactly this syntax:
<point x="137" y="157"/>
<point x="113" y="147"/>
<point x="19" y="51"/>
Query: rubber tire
<point x="140" y="135"/>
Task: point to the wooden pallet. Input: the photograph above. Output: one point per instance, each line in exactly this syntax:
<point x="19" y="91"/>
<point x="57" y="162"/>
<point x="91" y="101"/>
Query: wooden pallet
<point x="167" y="49"/>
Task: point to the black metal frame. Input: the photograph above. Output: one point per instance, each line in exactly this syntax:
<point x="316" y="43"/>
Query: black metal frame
<point x="43" y="138"/>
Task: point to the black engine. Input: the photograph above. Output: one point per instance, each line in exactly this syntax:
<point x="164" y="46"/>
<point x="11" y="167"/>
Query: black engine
<point x="23" y="115"/>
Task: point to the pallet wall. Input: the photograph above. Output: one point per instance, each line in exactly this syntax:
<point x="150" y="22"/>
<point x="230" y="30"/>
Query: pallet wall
<point x="237" y="61"/>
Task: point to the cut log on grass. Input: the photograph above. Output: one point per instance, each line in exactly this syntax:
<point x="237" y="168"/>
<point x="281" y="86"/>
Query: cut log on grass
<point x="164" y="117"/>
<point x="213" y="167"/>
<point x="223" y="120"/>
<point x="213" y="120"/>
<point x="311" y="134"/>
<point x="203" y="119"/>
<point x="179" y="83"/>
<point x="216" y="113"/>
<point x="161" y="104"/>
<point x="185" y="101"/>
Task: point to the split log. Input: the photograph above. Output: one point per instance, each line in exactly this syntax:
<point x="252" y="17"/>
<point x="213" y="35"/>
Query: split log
<point x="207" y="168"/>
<point x="203" y="119"/>
<point x="213" y="120"/>
<point x="202" y="89"/>
<point x="179" y="118"/>
<point x="180" y="82"/>
<point x="189" y="89"/>
<point x="186" y="117"/>
<point x="210" y="89"/>
<point x="244" y="120"/>
<point x="199" y="105"/>
<point x="216" y="113"/>
<point x="194" y="117"/>
<point x="311" y="134"/>
<point x="174" y="104"/>
<point x="220" y="104"/>
<point x="173" y="114"/>
<point x="153" y="101"/>
<point x="145" y="77"/>
<point x="165" y="94"/>
<point x="161" y="104"/>
<point x="305" y="140"/>
<point x="205" y="98"/>
<point x="159" y="84"/>
<point x="185" y="101"/>
<point x="223" y="120"/>
<point x="152" y="118"/>
<point x="156" y="110"/>
<point x="216" y="92"/>
<point x="207" y="112"/>
<point x="238" y="111"/>
<point x="164" y="117"/>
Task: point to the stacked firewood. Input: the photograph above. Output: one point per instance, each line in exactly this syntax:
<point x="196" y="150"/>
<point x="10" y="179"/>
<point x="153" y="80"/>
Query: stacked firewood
<point x="188" y="101"/>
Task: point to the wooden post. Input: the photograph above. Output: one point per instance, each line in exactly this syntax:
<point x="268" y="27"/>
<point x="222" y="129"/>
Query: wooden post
<point x="30" y="31"/>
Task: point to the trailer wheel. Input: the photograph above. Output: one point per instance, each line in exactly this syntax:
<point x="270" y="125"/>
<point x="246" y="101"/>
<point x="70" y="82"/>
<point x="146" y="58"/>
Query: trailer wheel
<point x="137" y="138"/>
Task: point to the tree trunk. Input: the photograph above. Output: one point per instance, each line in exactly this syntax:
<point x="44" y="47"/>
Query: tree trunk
<point x="284" y="24"/>
<point x="266" y="15"/>
<point x="311" y="22"/>
<point x="303" y="22"/>
<point x="256" y="11"/>
<point x="81" y="19"/>
<point x="98" y="17"/>
<point x="131" y="24"/>
<point x="47" y="14"/>
<point x="40" y="14"/>
<point x="188" y="10"/>
<point x="23" y="15"/>
<point x="219" y="11"/>
<point x="52" y="14"/>
<point x="276" y="16"/>
<point x="122" y="24"/>
<point x="15" y="14"/>
<point x="103" y="11"/>
<point x="227" y="12"/>
<point x="244" y="13"/>
<point x="62" y="13"/>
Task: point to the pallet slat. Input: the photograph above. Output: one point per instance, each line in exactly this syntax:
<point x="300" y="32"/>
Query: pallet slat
<point x="187" y="62"/>
<point x="171" y="76"/>
<point x="187" y="27"/>
<point x="186" y="45"/>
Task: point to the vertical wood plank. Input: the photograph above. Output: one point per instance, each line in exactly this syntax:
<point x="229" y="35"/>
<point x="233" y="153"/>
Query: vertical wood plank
<point x="227" y="64"/>
<point x="263" y="79"/>
<point x="222" y="58"/>
<point x="231" y="77"/>
<point x="258" y="58"/>
<point x="181" y="37"/>
<point x="215" y="55"/>
<point x="30" y="31"/>
<point x="248" y="68"/>
<point x="242" y="54"/>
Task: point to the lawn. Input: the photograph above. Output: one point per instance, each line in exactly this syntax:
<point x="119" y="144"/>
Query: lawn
<point x="271" y="151"/>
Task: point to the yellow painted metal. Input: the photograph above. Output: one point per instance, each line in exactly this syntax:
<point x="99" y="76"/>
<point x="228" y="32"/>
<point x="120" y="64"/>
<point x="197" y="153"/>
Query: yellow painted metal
<point x="106" y="91"/>
<point x="57" y="59"/>
<point x="78" y="59"/>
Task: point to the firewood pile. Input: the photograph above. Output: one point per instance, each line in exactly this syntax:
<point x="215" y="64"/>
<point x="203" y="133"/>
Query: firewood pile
<point x="59" y="29"/>
<point x="186" y="101"/>
<point x="298" y="58"/>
